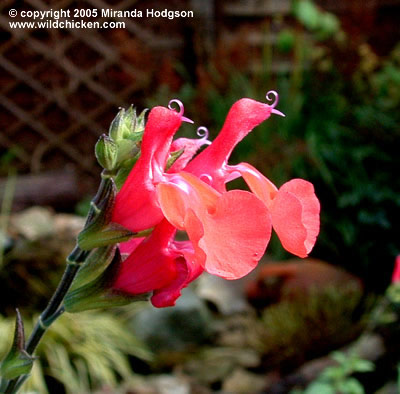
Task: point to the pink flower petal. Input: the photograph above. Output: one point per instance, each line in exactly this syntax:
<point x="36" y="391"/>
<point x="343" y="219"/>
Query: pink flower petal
<point x="244" y="115"/>
<point x="190" y="147"/>
<point x="294" y="208"/>
<point x="229" y="231"/>
<point x="295" y="216"/>
<point x="261" y="186"/>
<point x="235" y="235"/>
<point x="184" y="192"/>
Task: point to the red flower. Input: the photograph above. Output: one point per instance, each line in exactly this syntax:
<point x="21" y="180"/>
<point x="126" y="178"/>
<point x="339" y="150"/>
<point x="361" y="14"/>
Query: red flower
<point x="136" y="205"/>
<point x="158" y="264"/>
<point x="228" y="230"/>
<point x="294" y="207"/>
<point x="396" y="271"/>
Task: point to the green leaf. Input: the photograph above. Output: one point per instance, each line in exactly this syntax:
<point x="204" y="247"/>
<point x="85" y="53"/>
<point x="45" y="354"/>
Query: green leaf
<point x="320" y="388"/>
<point x="333" y="373"/>
<point x="140" y="121"/>
<point x="286" y="40"/>
<point x="350" y="386"/>
<point x="127" y="125"/>
<point x="363" y="366"/>
<point x="115" y="131"/>
<point x="308" y="14"/>
<point x="339" y="357"/>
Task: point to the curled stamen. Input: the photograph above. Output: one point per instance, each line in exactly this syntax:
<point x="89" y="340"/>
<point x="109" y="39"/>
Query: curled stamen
<point x="275" y="98"/>
<point x="203" y="133"/>
<point x="179" y="103"/>
<point x="206" y="178"/>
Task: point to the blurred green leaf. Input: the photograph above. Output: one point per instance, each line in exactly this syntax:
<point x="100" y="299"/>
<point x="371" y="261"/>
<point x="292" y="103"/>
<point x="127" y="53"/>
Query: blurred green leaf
<point x="307" y="13"/>
<point x="320" y="388"/>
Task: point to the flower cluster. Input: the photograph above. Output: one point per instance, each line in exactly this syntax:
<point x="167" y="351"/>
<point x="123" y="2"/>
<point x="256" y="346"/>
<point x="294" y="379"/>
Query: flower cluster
<point x="227" y="231"/>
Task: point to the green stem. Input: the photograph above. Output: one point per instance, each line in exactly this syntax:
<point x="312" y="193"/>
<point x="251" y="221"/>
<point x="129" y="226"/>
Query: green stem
<point x="54" y="308"/>
<point x="52" y="311"/>
<point x="15" y="384"/>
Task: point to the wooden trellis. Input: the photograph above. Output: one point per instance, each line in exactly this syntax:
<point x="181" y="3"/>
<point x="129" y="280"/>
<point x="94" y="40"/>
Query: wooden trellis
<point x="60" y="88"/>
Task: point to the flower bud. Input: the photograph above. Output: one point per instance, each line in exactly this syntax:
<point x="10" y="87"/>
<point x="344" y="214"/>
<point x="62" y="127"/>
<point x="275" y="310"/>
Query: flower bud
<point x="127" y="125"/>
<point x="116" y="131"/>
<point x="127" y="150"/>
<point x="106" y="151"/>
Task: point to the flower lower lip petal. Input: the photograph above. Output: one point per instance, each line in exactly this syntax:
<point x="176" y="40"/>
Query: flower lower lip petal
<point x="276" y="112"/>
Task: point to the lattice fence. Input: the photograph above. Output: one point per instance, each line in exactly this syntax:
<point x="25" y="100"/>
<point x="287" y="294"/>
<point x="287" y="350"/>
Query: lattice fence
<point x="60" y="88"/>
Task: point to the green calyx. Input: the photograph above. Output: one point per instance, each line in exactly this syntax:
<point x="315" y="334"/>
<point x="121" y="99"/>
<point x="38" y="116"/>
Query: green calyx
<point x="106" y="151"/>
<point x="99" y="230"/>
<point x="174" y="156"/>
<point x="116" y="150"/>
<point x="17" y="362"/>
<point x="96" y="262"/>
<point x="99" y="293"/>
<point x="95" y="236"/>
<point x="127" y="125"/>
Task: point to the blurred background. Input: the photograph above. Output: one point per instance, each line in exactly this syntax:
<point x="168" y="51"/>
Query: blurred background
<point x="336" y="67"/>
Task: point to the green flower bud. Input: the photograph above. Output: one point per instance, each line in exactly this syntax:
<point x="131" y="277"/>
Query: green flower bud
<point x="106" y="151"/>
<point x="127" y="125"/>
<point x="140" y="122"/>
<point x="127" y="149"/>
<point x="116" y="132"/>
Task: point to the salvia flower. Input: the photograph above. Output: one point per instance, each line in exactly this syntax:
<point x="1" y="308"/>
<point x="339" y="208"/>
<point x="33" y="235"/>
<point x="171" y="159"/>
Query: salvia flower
<point x="396" y="271"/>
<point x="228" y="231"/>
